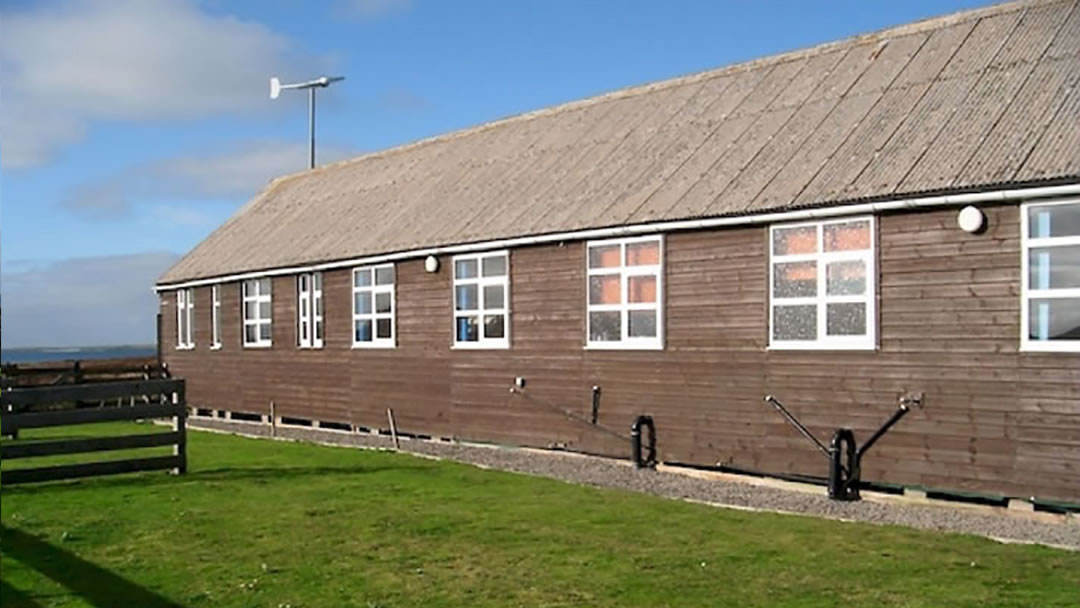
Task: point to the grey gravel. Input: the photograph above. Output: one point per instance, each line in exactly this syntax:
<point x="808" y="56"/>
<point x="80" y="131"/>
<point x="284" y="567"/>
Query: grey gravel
<point x="1060" y="531"/>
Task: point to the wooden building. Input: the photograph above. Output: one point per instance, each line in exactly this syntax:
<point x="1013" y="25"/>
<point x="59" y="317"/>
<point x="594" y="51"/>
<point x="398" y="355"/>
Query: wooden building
<point x="797" y="225"/>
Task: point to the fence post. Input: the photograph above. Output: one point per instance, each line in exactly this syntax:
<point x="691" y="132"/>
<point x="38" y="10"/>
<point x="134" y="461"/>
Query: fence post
<point x="180" y="426"/>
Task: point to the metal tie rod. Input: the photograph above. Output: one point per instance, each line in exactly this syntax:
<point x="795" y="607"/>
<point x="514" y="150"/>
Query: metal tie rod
<point x="798" y="425"/>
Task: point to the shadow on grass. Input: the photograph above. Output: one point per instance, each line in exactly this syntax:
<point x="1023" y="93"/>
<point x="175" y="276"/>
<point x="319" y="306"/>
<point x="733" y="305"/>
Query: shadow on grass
<point x="11" y="597"/>
<point x="93" y="584"/>
<point x="219" y="475"/>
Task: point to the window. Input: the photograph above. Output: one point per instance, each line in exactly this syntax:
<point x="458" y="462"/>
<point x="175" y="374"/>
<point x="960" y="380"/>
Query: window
<point x="1050" y="317"/>
<point x="215" y="317"/>
<point x="373" y="306"/>
<point x="625" y="280"/>
<point x="482" y="300"/>
<point x="309" y="310"/>
<point x="185" y="317"/>
<point x="821" y="278"/>
<point x="257" y="312"/>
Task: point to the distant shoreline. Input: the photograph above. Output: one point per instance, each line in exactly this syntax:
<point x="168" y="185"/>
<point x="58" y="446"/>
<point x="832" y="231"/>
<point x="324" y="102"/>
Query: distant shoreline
<point x="61" y="353"/>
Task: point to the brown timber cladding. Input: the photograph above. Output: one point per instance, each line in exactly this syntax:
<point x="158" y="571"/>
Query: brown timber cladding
<point x="996" y="420"/>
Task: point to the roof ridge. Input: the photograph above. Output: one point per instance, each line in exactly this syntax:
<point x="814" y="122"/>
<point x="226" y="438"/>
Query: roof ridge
<point x="928" y="23"/>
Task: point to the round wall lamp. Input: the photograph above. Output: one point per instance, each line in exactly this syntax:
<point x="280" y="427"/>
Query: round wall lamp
<point x="431" y="263"/>
<point x="971" y="219"/>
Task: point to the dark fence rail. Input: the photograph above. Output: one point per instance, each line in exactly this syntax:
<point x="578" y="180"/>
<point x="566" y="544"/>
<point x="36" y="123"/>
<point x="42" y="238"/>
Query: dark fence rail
<point x="51" y="373"/>
<point x="158" y="398"/>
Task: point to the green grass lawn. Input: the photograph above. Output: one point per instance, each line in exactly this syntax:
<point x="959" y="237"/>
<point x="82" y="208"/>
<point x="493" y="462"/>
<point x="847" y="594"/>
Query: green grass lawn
<point x="264" y="523"/>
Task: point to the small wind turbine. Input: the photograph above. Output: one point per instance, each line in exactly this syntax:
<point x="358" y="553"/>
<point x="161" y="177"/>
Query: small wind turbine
<point x="319" y="83"/>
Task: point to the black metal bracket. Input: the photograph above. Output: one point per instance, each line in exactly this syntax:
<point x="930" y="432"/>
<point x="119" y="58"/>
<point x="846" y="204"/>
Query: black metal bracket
<point x="845" y="459"/>
<point x="648" y="461"/>
<point x="595" y="403"/>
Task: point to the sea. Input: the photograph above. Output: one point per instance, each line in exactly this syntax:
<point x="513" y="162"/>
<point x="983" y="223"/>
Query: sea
<point x="31" y="355"/>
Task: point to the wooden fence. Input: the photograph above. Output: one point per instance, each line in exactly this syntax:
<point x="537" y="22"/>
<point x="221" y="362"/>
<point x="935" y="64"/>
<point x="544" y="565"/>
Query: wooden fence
<point x="52" y="373"/>
<point x="156" y="398"/>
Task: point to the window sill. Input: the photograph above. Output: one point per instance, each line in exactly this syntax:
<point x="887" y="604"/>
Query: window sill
<point x="480" y="346"/>
<point x="373" y="345"/>
<point x="215" y="347"/>
<point x="187" y="347"/>
<point x="266" y="345"/>
<point x="823" y="347"/>
<point x="309" y="348"/>
<point x="1058" y="347"/>
<point x="622" y="346"/>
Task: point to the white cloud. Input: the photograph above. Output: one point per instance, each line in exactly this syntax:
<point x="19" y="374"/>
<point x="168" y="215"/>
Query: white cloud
<point x="84" y="301"/>
<point x="238" y="172"/>
<point x="84" y="60"/>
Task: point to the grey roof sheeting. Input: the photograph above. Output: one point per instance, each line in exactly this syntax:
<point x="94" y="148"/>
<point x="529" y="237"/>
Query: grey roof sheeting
<point x="976" y="99"/>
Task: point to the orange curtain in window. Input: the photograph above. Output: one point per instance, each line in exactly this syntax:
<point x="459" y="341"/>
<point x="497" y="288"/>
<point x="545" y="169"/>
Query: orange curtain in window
<point x="642" y="289"/>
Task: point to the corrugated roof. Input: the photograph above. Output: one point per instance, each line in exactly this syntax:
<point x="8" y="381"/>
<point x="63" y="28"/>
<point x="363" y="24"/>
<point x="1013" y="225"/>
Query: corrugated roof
<point x="976" y="99"/>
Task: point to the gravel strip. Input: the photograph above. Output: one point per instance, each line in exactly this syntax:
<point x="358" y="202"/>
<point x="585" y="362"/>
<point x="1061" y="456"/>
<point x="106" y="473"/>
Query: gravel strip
<point x="611" y="473"/>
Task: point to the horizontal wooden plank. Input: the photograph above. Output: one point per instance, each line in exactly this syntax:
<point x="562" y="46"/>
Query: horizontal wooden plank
<point x="34" y="420"/>
<point x="90" y="469"/>
<point x="21" y="397"/>
<point x="22" y="449"/>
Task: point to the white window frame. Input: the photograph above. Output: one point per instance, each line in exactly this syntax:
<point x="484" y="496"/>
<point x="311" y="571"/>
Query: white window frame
<point x="374" y="316"/>
<point x="868" y="341"/>
<point x="1027" y="293"/>
<point x="215" y="317"/>
<point x="481" y="282"/>
<point x="185" y="311"/>
<point x="624" y="307"/>
<point x="309" y="300"/>
<point x="258" y="297"/>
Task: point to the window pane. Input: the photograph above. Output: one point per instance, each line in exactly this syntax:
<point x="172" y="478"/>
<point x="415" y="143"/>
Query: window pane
<point x="847" y="236"/>
<point x="605" y="256"/>
<point x="494" y="266"/>
<point x="795" y="322"/>
<point x="605" y="326"/>
<point x="317" y="281"/>
<point x="493" y="296"/>
<point x="465" y="269"/>
<point x="318" y="330"/>
<point x="1054" y="220"/>
<point x="318" y="306"/>
<point x="303" y="331"/>
<point x="249" y="310"/>
<point x="642" y="323"/>
<point x="264" y="310"/>
<point x="605" y="289"/>
<point x="795" y="280"/>
<point x="1054" y="267"/>
<point x="362" y="330"/>
<point x="384" y="275"/>
<point x="182" y="338"/>
<point x="643" y="253"/>
<point x="302" y="282"/>
<point x="303" y="307"/>
<point x="362" y="303"/>
<point x="264" y="331"/>
<point x="382" y="302"/>
<point x="249" y="288"/>
<point x="494" y="326"/>
<point x="467" y="329"/>
<point x="847" y="319"/>
<point x="250" y="333"/>
<point x="362" y="278"/>
<point x="1055" y="319"/>
<point x="642" y="289"/>
<point x="791" y="241"/>
<point x="466" y="297"/>
<point x="264" y="286"/>
<point x="382" y="329"/>
<point x="845" y="278"/>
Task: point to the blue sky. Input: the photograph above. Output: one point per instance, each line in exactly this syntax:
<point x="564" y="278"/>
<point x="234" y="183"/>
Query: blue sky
<point x="129" y="129"/>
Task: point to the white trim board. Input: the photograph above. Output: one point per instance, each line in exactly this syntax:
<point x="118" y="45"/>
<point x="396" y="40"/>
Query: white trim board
<point x="948" y="200"/>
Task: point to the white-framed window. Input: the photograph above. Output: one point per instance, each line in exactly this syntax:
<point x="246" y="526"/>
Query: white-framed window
<point x="257" y="311"/>
<point x="373" y="306"/>
<point x="625" y="293"/>
<point x="215" y="317"/>
<point x="1050" y="306"/>
<point x="482" y="300"/>
<point x="185" y="318"/>
<point x="309" y="310"/>
<point x="822" y="285"/>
